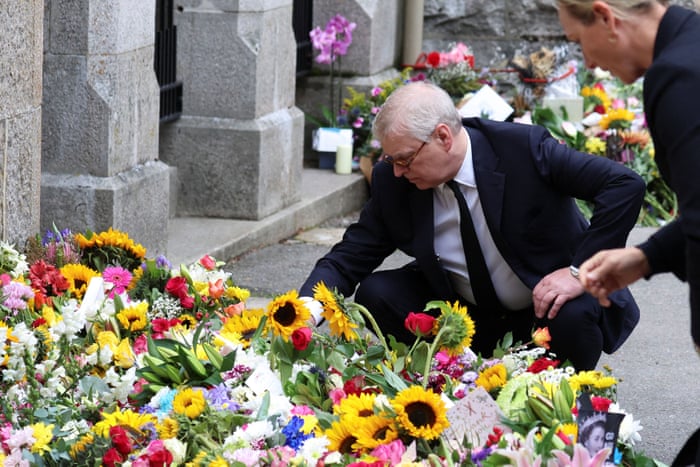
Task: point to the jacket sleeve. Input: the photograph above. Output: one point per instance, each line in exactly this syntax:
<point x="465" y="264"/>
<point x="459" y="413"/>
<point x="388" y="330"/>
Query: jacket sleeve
<point x="616" y="192"/>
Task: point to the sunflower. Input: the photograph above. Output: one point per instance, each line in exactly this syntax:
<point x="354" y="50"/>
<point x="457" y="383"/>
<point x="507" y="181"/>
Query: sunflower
<point x="338" y="321"/>
<point x="129" y="418"/>
<point x="287" y="313"/>
<point x="619" y="119"/>
<point x="420" y="412"/>
<point x="81" y="445"/>
<point x="375" y="431"/>
<point x="356" y="405"/>
<point x="110" y="247"/>
<point x="78" y="277"/>
<point x="455" y="328"/>
<point x="134" y="318"/>
<point x="189" y="402"/>
<point x="341" y="436"/>
<point x="240" y="328"/>
<point x="493" y="377"/>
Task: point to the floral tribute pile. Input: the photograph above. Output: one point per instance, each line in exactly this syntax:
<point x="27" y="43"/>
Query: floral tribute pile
<point x="112" y="358"/>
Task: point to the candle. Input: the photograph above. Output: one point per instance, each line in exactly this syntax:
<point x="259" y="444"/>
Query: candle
<point x="343" y="159"/>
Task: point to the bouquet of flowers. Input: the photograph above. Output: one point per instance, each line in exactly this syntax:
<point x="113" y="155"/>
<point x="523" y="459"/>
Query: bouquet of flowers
<point x="149" y="364"/>
<point x="614" y="126"/>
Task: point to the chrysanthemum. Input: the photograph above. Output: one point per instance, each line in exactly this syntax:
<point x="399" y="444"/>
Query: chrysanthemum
<point x="591" y="379"/>
<point x="375" y="431"/>
<point x="455" y="328"/>
<point x="420" y="412"/>
<point x="135" y="317"/>
<point x="78" y="277"/>
<point x="237" y="293"/>
<point x="243" y="325"/>
<point x="341" y="436"/>
<point x="286" y="313"/>
<point x="338" y="321"/>
<point x="493" y="377"/>
<point x="356" y="405"/>
<point x="189" y="402"/>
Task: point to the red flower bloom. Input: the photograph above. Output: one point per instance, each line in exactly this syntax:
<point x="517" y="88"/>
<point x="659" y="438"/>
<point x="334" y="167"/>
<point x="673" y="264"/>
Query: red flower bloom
<point x="177" y="286"/>
<point x="420" y="324"/>
<point x="208" y="262"/>
<point x="542" y="364"/>
<point x="158" y="455"/>
<point x="120" y="440"/>
<point x="600" y="404"/>
<point x="112" y="457"/>
<point x="301" y="338"/>
<point x="433" y="59"/>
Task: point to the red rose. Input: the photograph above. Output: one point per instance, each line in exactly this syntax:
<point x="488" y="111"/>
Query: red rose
<point x="111" y="458"/>
<point x="177" y="287"/>
<point x="120" y="440"/>
<point x="301" y="338"/>
<point x="158" y="455"/>
<point x="420" y="324"/>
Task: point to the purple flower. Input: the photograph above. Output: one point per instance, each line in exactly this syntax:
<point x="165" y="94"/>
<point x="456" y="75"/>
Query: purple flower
<point x="334" y="40"/>
<point x="15" y="295"/>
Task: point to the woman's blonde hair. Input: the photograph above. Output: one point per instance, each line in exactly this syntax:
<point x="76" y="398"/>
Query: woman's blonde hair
<point x="583" y="9"/>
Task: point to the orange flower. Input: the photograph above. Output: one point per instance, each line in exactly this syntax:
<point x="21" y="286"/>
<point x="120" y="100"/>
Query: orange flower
<point x="541" y="337"/>
<point x="216" y="290"/>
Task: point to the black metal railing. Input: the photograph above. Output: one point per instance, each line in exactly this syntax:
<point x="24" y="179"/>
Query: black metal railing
<point x="165" y="62"/>
<point x="302" y="16"/>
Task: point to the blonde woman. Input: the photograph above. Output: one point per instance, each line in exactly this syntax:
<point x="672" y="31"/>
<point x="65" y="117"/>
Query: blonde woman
<point x="650" y="39"/>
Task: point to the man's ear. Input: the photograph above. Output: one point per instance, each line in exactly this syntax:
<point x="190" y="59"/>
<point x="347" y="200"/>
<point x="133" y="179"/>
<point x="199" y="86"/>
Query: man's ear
<point x="443" y="134"/>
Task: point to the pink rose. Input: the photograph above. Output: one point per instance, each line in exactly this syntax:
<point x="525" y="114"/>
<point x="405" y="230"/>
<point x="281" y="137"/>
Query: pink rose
<point x="301" y="338"/>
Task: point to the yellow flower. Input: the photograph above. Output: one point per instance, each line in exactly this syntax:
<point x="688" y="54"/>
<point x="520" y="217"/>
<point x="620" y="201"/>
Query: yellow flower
<point x="591" y="379"/>
<point x="124" y="355"/>
<point x="455" y="328"/>
<point x="189" y="402"/>
<point x="112" y="238"/>
<point x="541" y="337"/>
<point x="595" y="145"/>
<point x="168" y="428"/>
<point x="237" y="293"/>
<point x="596" y="96"/>
<point x="570" y="430"/>
<point x="356" y="405"/>
<point x="219" y="462"/>
<point x="616" y="119"/>
<point x="341" y="436"/>
<point x="78" y="277"/>
<point x="43" y="434"/>
<point x="338" y="321"/>
<point x="240" y="328"/>
<point x="81" y="445"/>
<point x="107" y="339"/>
<point x="287" y="313"/>
<point x="493" y="377"/>
<point x="134" y="420"/>
<point x="420" y="412"/>
<point x="135" y="317"/>
<point x="374" y="431"/>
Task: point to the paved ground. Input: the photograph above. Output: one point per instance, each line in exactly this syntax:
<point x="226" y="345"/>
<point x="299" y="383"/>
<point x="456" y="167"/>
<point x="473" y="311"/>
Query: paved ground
<point x="658" y="366"/>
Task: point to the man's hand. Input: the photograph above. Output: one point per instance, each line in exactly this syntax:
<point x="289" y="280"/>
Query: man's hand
<point x="611" y="270"/>
<point x="553" y="291"/>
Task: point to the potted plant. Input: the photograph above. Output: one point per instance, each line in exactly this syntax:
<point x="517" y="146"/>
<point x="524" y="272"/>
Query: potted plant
<point x="332" y="43"/>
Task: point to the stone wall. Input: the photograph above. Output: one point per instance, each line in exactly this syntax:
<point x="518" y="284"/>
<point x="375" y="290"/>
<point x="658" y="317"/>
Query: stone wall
<point x="497" y="30"/>
<point x="20" y="118"/>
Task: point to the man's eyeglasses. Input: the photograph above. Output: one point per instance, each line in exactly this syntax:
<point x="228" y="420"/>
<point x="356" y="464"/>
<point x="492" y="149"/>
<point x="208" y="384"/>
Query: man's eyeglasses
<point x="404" y="162"/>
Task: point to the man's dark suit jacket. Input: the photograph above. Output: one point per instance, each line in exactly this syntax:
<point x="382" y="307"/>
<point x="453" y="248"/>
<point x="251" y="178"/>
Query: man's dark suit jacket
<point x="526" y="181"/>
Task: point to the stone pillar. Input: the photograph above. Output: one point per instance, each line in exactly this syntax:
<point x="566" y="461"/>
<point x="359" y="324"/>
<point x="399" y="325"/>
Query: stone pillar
<point x="238" y="146"/>
<point x="100" y="121"/>
<point x="372" y="57"/>
<point x="21" y="44"/>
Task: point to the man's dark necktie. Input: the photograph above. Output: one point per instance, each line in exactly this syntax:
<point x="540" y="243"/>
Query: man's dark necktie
<point x="479" y="276"/>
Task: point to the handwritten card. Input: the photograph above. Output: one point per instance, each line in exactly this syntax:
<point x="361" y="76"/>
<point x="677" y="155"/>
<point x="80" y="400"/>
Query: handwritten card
<point x="473" y="417"/>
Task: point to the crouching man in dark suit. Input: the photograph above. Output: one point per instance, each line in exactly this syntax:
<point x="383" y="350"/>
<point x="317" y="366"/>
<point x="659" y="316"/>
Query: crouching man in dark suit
<point x="515" y="268"/>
